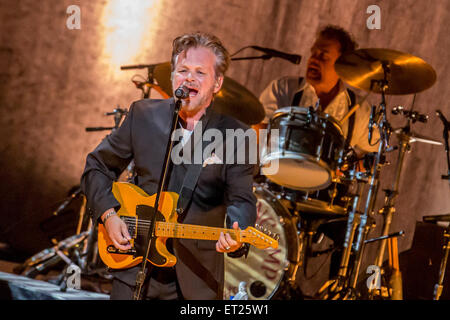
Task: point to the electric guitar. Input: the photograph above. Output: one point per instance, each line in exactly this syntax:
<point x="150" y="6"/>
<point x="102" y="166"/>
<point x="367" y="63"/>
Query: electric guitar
<point x="137" y="211"/>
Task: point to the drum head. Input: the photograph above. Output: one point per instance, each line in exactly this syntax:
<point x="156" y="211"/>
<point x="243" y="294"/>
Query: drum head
<point x="297" y="173"/>
<point x="263" y="270"/>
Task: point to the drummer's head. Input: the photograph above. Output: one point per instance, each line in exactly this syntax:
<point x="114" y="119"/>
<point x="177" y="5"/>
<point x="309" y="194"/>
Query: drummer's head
<point x="199" y="61"/>
<point x="331" y="42"/>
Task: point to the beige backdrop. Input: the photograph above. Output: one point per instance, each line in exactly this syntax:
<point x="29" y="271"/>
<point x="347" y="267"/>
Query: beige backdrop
<point x="54" y="82"/>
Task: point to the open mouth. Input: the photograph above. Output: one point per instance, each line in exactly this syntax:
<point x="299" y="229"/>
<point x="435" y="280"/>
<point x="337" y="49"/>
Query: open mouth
<point x="313" y="70"/>
<point x="192" y="92"/>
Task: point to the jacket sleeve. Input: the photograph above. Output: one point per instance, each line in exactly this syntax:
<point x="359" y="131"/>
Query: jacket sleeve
<point x="240" y="200"/>
<point x="104" y="165"/>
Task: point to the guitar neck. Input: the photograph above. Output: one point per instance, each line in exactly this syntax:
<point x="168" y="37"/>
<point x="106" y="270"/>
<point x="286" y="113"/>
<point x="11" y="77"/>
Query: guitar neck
<point x="190" y="231"/>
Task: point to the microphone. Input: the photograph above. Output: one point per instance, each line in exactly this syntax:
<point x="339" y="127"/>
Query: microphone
<point x="294" y="58"/>
<point x="182" y="92"/>
<point x="441" y="116"/>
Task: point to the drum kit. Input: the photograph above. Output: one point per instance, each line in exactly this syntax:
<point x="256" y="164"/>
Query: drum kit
<point x="320" y="179"/>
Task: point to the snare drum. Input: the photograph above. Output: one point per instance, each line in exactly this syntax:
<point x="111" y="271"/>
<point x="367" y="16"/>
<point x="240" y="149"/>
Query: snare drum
<point x="308" y="150"/>
<point x="264" y="270"/>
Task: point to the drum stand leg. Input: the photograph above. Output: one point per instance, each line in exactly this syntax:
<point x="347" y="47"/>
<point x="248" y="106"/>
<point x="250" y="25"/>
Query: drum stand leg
<point x="293" y="266"/>
<point x="388" y="211"/>
<point x="337" y="287"/>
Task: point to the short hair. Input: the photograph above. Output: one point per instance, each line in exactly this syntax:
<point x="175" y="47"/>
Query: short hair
<point x="206" y="40"/>
<point x="342" y="36"/>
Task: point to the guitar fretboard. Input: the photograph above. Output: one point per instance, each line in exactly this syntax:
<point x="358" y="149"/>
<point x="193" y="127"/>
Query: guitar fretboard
<point x="189" y="231"/>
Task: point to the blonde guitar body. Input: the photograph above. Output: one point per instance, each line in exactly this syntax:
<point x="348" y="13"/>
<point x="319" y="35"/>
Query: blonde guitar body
<point x="137" y="211"/>
<point x="137" y="206"/>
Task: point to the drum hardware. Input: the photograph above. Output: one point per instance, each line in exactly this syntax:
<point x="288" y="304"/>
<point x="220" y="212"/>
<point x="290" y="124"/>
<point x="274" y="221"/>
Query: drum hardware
<point x="439" y="286"/>
<point x="383" y="71"/>
<point x="446" y="143"/>
<point x="339" y="288"/>
<point x="405" y="136"/>
<point x="400" y="233"/>
<point x="149" y="83"/>
<point x="118" y="114"/>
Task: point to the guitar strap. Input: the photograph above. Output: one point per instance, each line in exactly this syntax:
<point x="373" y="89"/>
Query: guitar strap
<point x="187" y="190"/>
<point x="198" y="269"/>
<point x="298" y="95"/>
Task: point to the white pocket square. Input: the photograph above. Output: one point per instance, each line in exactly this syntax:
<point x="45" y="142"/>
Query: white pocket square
<point x="212" y="160"/>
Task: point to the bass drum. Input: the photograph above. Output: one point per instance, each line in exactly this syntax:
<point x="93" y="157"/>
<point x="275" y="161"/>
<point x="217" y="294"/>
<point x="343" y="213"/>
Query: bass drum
<point x="264" y="271"/>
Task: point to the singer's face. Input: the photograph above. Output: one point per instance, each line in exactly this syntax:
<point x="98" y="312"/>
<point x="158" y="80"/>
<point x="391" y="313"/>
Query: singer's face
<point x="320" y="66"/>
<point x="195" y="69"/>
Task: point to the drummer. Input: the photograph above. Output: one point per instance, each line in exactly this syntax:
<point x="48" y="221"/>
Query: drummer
<point x="322" y="86"/>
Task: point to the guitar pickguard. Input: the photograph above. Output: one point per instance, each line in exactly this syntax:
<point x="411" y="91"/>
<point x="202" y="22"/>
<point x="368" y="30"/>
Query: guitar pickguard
<point x="145" y="215"/>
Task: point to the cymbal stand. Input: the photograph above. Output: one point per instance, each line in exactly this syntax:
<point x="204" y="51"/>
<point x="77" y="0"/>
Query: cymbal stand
<point x="367" y="219"/>
<point x="149" y="83"/>
<point x="388" y="209"/>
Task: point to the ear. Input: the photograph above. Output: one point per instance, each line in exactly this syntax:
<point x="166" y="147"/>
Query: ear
<point x="218" y="84"/>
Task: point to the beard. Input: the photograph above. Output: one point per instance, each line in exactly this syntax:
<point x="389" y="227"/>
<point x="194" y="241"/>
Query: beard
<point x="313" y="73"/>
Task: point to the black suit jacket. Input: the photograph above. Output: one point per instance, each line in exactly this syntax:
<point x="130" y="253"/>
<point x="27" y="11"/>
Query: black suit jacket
<point x="223" y="192"/>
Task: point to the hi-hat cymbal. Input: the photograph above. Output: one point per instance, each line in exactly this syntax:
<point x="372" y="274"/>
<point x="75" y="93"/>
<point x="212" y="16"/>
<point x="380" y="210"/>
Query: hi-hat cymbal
<point x="233" y="99"/>
<point x="406" y="74"/>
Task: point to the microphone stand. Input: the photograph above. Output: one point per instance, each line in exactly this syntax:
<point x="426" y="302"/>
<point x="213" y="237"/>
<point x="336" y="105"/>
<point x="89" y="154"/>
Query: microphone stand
<point x="439" y="286"/>
<point x="446" y="136"/>
<point x="140" y="277"/>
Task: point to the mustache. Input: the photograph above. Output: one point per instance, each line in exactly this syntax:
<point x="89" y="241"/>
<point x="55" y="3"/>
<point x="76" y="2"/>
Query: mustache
<point x="191" y="85"/>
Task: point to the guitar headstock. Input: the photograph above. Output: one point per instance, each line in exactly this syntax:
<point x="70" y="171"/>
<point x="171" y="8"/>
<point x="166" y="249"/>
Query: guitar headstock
<point x="260" y="237"/>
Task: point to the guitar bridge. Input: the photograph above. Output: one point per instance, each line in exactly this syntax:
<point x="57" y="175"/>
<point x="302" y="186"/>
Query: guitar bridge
<point x="112" y="249"/>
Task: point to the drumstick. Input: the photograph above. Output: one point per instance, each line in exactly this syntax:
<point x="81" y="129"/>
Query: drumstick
<point x="353" y="110"/>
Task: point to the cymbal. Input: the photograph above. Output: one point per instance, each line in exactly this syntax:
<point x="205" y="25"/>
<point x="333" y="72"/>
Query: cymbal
<point x="233" y="99"/>
<point x="415" y="137"/>
<point x="406" y="74"/>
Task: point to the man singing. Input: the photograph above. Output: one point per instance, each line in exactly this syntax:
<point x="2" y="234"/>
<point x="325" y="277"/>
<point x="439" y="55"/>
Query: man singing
<point x="223" y="191"/>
